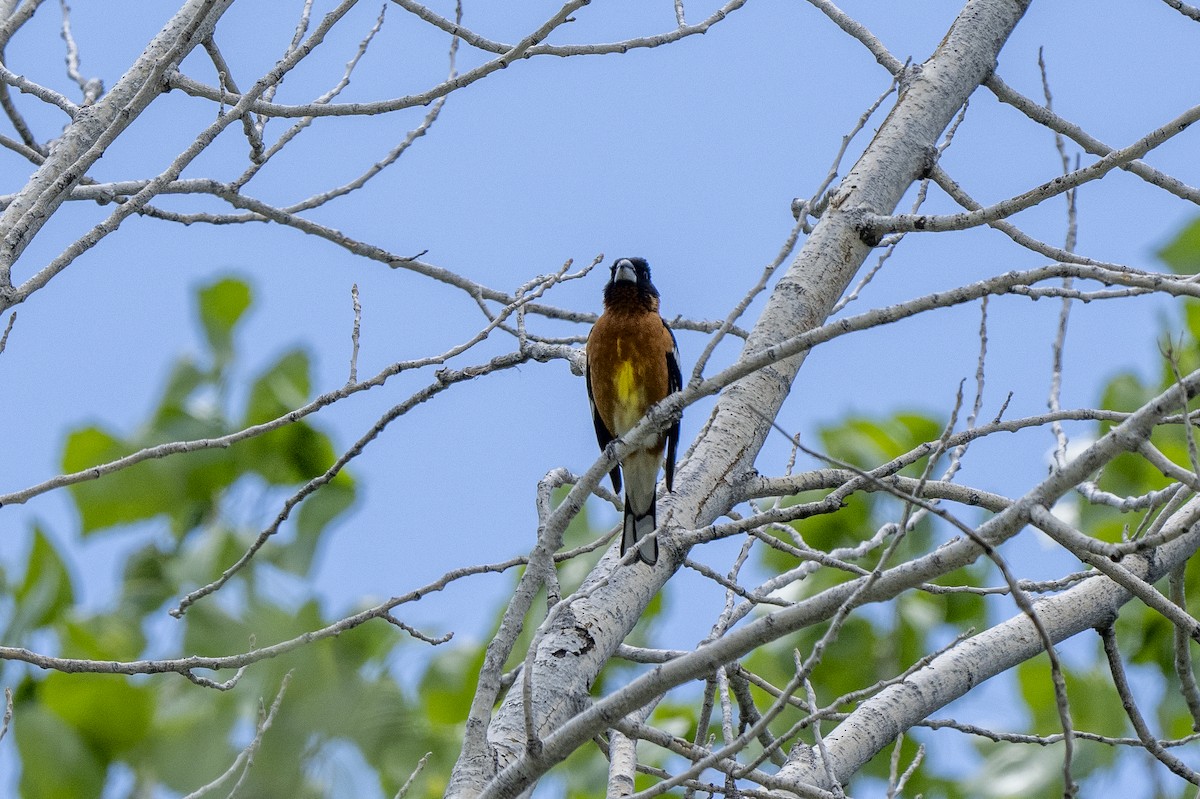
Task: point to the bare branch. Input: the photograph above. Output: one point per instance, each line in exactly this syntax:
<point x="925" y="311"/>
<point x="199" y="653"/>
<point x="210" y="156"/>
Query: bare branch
<point x="91" y="88"/>
<point x="1183" y="654"/>
<point x="526" y="48"/>
<point x="1109" y="636"/>
<point x="354" y="335"/>
<point x="8" y="712"/>
<point x="12" y="319"/>
<point x="875" y="226"/>
<point x="1183" y="8"/>
<point x="403" y="792"/>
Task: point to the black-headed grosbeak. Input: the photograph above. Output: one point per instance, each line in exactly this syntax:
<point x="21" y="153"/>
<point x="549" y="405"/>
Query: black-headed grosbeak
<point x="632" y="363"/>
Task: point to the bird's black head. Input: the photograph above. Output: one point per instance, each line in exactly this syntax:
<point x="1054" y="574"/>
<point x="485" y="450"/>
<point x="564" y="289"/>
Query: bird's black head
<point x="630" y="279"/>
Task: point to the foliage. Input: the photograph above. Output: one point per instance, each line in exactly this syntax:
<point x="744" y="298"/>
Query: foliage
<point x="77" y="732"/>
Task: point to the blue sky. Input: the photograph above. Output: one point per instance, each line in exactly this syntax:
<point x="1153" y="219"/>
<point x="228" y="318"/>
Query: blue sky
<point x="688" y="155"/>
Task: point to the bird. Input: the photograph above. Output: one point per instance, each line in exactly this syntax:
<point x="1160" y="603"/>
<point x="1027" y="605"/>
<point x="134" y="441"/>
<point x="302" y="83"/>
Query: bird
<point x="633" y="363"/>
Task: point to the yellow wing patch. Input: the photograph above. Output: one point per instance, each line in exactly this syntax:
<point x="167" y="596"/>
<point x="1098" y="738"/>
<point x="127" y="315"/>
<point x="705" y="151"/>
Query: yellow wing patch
<point x="631" y="401"/>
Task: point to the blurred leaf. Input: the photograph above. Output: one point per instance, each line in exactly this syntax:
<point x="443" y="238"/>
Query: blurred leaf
<point x="221" y="305"/>
<point x="102" y="637"/>
<point x="1146" y="637"/>
<point x="108" y="711"/>
<point x="282" y="387"/>
<point x="146" y="581"/>
<point x="1191" y="313"/>
<point x="1182" y="254"/>
<point x="172" y="735"/>
<point x="1023" y="771"/>
<point x="129" y="495"/>
<point x="448" y="685"/>
<point x="1126" y="392"/>
<point x="1095" y="706"/>
<point x="45" y="591"/>
<point x="827" y="531"/>
<point x="866" y="443"/>
<point x="184" y="717"/>
<point x="174" y="418"/>
<point x="857" y="643"/>
<point x="55" y="761"/>
<point x="296" y="452"/>
<point x="315" y="514"/>
<point x="962" y="609"/>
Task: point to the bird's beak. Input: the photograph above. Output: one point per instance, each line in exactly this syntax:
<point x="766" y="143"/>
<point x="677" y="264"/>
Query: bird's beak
<point x="624" y="271"/>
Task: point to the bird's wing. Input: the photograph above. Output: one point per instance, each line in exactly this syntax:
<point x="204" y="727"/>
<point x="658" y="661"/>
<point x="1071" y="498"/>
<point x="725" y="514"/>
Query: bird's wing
<point x="674" y="383"/>
<point x="603" y="435"/>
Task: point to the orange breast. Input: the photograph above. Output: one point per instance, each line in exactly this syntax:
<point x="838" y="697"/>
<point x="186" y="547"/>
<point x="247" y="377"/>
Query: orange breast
<point x="627" y="359"/>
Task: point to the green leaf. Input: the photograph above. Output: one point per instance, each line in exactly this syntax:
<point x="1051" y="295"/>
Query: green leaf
<point x="293" y="453"/>
<point x="190" y="743"/>
<point x="221" y="305"/>
<point x="122" y="497"/>
<point x="1126" y="392"/>
<point x="825" y="532"/>
<point x="110" y="713"/>
<point x="1018" y="771"/>
<point x="282" y="387"/>
<point x="148" y="583"/>
<point x="102" y="637"/>
<point x="1182" y="254"/>
<point x="868" y="442"/>
<point x="447" y="687"/>
<point x="55" y="760"/>
<point x="46" y="590"/>
<point x="175" y="416"/>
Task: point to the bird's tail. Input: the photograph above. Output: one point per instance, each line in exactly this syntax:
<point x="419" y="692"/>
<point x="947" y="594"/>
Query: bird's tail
<point x="641" y="475"/>
<point x="637" y="527"/>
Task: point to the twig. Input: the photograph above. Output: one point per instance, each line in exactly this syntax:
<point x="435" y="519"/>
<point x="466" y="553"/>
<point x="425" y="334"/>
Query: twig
<point x="354" y="335"/>
<point x="1056" y="369"/>
<point x="227" y="83"/>
<point x="245" y="759"/>
<point x="819" y="744"/>
<point x="400" y="794"/>
<point x="528" y="47"/>
<point x="444" y="379"/>
<point x="702" y="740"/>
<point x="259" y="158"/>
<point x="12" y="318"/>
<point x="785" y="250"/>
<point x="8" y="712"/>
<point x="1183" y="654"/>
<point x="877" y="225"/>
<point x="802" y="209"/>
<point x="415" y="633"/>
<point x="93" y="88"/>
<point x="1044" y="740"/>
<point x="1109" y="636"/>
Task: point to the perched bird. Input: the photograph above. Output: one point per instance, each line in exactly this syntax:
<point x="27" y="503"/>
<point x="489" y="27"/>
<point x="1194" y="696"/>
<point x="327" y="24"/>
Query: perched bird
<point x="632" y="363"/>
